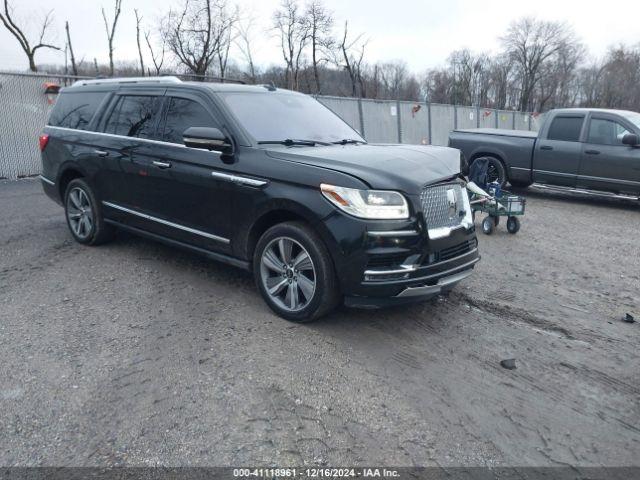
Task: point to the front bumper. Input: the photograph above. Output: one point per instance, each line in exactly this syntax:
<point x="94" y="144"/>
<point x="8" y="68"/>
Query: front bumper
<point x="392" y="263"/>
<point x="414" y="294"/>
<point x="421" y="284"/>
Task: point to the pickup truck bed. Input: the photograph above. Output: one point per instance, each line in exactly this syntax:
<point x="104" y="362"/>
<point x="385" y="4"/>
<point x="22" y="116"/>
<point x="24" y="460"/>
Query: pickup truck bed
<point x="515" y="145"/>
<point x="586" y="149"/>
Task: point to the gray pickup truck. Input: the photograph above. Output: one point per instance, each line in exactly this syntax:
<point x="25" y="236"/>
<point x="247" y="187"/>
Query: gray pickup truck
<point x="591" y="150"/>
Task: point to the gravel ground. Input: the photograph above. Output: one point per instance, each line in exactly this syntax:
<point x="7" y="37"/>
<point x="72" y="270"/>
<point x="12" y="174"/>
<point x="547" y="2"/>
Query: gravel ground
<point x="137" y="354"/>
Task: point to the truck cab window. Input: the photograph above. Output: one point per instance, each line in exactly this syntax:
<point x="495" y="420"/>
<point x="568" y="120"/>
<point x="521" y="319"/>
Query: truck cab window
<point x="134" y="116"/>
<point x="566" y="129"/>
<point x="182" y="114"/>
<point x="606" y="132"/>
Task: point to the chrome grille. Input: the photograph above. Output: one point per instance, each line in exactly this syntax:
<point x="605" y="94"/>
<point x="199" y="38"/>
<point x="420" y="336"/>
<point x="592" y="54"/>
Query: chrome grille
<point x="442" y="204"/>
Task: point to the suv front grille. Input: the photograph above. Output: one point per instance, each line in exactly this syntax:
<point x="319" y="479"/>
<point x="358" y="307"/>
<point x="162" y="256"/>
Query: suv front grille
<point x="442" y="205"/>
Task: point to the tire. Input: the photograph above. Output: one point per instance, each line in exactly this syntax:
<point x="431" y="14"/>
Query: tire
<point x="488" y="225"/>
<point x="291" y="297"/>
<point x="513" y="225"/>
<point x="496" y="171"/>
<point x="84" y="215"/>
<point x="520" y="184"/>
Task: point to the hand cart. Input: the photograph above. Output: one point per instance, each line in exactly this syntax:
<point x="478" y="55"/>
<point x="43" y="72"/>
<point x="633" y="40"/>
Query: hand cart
<point x="498" y="203"/>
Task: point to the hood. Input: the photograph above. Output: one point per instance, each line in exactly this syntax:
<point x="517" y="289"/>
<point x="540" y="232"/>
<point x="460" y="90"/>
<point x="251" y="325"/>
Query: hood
<point x="385" y="167"/>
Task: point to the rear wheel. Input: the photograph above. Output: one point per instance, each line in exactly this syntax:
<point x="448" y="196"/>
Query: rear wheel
<point x="294" y="272"/>
<point x="495" y="171"/>
<point x="84" y="215"/>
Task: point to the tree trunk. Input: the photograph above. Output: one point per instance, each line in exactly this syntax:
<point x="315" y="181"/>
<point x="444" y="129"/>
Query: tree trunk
<point x="32" y="62"/>
<point x="74" y="67"/>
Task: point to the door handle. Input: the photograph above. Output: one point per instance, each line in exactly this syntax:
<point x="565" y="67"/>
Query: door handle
<point x="159" y="164"/>
<point x="592" y="152"/>
<point x="101" y="153"/>
<point x="546" y="147"/>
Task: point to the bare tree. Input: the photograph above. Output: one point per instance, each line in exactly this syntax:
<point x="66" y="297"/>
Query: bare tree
<point x="157" y="57"/>
<point x="352" y="57"/>
<point x="138" y="20"/>
<point x="19" y="34"/>
<point x="320" y="25"/>
<point x="244" y="41"/>
<point x="196" y="34"/>
<point x="225" y="44"/>
<point x="74" y="67"/>
<point x="294" y="36"/>
<point x="111" y="30"/>
<point x="531" y="43"/>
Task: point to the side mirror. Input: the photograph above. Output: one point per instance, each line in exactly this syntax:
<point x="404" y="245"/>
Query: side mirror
<point x="207" y="138"/>
<point x="631" y="139"/>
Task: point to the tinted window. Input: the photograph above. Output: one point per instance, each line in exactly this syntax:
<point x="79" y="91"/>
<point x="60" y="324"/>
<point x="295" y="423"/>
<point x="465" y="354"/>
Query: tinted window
<point x="272" y="116"/>
<point x="182" y="114"/>
<point x="606" y="132"/>
<point x="134" y="116"/>
<point x="565" y="128"/>
<point x="75" y="110"/>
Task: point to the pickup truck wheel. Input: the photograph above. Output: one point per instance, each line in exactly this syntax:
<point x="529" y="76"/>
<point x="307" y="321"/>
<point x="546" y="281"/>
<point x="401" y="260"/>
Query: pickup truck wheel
<point x="488" y="224"/>
<point x="496" y="171"/>
<point x="84" y="216"/>
<point x="294" y="272"/>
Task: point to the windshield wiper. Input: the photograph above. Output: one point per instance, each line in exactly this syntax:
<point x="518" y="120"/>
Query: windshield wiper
<point x="289" y="142"/>
<point x="345" y="141"/>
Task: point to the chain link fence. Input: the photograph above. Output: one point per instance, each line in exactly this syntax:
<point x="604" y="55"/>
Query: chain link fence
<point x="25" y="108"/>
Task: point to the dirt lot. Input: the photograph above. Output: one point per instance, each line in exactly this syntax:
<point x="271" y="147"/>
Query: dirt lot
<point x="137" y="354"/>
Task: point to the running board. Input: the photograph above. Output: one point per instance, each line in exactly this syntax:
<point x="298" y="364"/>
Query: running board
<point x="219" y="257"/>
<point x="584" y="191"/>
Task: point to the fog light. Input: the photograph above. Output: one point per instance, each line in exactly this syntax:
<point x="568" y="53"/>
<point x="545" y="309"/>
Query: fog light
<point x="386" y="277"/>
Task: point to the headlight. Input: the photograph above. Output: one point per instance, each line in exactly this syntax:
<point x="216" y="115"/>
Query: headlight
<point x="370" y="204"/>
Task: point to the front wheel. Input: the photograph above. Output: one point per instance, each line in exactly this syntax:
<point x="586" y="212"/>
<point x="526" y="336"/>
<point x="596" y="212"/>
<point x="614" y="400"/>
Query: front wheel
<point x="294" y="272"/>
<point x="488" y="224"/>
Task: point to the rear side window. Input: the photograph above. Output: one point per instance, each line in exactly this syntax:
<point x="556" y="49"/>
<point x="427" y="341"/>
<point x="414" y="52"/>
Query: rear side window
<point x="182" y="114"/>
<point x="75" y="110"/>
<point x="134" y="116"/>
<point x="566" y="129"/>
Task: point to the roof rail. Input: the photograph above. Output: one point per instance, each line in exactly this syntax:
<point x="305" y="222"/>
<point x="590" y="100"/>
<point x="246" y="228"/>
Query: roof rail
<point x="126" y="80"/>
<point x="209" y="78"/>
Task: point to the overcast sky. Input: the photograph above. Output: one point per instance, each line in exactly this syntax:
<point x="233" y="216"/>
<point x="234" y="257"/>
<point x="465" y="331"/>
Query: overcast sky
<point x="422" y="33"/>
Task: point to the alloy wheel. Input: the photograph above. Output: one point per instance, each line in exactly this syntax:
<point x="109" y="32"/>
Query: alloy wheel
<point x="288" y="274"/>
<point x="80" y="213"/>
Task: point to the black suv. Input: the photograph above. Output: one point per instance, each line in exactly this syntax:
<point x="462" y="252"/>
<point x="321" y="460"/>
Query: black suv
<point x="264" y="179"/>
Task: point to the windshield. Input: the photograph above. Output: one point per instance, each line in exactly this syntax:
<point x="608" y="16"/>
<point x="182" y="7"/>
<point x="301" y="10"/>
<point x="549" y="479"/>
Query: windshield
<point x="633" y="117"/>
<point x="272" y="116"/>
